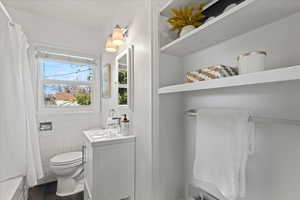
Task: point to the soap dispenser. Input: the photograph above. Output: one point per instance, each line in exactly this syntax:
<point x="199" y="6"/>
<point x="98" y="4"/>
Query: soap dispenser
<point x="125" y="126"/>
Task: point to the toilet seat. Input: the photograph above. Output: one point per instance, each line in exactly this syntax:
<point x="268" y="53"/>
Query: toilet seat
<point x="70" y="159"/>
<point x="66" y="166"/>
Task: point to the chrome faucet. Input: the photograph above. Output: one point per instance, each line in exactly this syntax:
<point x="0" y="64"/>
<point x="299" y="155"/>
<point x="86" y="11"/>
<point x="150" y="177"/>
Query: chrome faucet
<point x="118" y="119"/>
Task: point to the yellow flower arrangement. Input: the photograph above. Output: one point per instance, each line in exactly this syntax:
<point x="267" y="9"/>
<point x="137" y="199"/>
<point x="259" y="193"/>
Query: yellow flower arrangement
<point x="188" y="15"/>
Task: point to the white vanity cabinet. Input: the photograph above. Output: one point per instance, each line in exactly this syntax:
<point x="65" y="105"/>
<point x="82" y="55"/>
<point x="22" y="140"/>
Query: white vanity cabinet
<point x="109" y="168"/>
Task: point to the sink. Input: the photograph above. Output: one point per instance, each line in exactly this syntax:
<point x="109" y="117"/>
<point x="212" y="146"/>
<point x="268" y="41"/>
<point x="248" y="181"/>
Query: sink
<point x="102" y="133"/>
<point x="105" y="135"/>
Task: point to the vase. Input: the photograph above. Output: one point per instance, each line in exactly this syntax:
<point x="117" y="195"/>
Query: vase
<point x="186" y="30"/>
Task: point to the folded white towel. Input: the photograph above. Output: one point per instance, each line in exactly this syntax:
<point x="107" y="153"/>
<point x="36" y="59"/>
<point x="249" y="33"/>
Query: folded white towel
<point x="223" y="142"/>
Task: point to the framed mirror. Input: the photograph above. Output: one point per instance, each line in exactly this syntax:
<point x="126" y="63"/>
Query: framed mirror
<point x="106" y="81"/>
<point x="124" y="63"/>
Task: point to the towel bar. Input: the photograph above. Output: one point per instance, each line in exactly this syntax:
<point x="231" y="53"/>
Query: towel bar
<point x="193" y="112"/>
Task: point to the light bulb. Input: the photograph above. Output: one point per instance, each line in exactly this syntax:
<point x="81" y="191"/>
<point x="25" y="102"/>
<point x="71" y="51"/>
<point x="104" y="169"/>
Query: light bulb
<point x="118" y="36"/>
<point x="110" y="46"/>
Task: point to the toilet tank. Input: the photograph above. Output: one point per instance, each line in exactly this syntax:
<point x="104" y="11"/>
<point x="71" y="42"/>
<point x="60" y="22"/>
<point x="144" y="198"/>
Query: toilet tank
<point x="109" y="168"/>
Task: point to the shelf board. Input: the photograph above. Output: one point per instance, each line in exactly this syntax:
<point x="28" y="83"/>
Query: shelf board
<point x="241" y="19"/>
<point x="269" y="76"/>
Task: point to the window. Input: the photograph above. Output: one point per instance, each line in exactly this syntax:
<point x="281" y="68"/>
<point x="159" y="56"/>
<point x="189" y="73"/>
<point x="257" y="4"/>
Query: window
<point x="125" y="76"/>
<point x="122" y="85"/>
<point x="66" y="83"/>
<point x="123" y="89"/>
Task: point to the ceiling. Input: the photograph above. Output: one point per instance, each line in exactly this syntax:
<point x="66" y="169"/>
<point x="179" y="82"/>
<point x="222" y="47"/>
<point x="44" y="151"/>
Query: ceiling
<point x="92" y="14"/>
<point x="93" y="20"/>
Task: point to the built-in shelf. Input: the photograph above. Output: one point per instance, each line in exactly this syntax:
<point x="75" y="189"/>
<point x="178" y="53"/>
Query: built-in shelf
<point x="270" y="76"/>
<point x="243" y="18"/>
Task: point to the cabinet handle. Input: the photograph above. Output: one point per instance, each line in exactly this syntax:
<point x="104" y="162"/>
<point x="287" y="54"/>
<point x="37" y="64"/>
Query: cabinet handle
<point x="83" y="149"/>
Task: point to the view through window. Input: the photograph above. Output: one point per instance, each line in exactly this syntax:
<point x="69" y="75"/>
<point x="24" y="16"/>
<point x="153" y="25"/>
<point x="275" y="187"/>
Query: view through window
<point x="66" y="84"/>
<point x="123" y="85"/>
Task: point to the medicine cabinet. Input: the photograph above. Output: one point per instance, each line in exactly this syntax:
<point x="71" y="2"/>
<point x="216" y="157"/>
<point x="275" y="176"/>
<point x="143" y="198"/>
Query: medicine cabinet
<point x="125" y="67"/>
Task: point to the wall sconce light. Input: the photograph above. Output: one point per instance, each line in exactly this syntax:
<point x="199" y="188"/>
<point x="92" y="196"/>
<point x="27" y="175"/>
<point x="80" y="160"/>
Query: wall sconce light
<point x="118" y="37"/>
<point x="110" y="46"/>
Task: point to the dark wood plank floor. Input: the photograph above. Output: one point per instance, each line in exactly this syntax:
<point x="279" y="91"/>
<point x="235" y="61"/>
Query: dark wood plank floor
<point x="47" y="192"/>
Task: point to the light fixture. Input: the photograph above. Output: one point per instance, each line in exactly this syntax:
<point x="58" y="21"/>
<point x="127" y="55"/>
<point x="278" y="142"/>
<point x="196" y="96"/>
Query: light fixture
<point x="118" y="36"/>
<point x="110" y="46"/>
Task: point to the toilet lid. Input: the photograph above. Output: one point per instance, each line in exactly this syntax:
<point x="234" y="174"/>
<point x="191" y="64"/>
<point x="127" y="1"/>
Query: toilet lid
<point x="67" y="158"/>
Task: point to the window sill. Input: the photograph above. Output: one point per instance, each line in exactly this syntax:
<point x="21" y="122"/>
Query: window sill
<point x="63" y="112"/>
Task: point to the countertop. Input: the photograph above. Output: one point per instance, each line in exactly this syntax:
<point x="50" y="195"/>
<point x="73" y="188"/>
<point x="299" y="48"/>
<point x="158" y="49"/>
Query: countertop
<point x="106" y="137"/>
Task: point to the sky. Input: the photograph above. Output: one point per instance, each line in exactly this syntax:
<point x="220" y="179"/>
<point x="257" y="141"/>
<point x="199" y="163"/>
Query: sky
<point x="55" y="70"/>
<point x="65" y="71"/>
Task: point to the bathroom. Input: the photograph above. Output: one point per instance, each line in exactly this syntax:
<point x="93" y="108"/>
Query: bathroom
<point x="150" y="154"/>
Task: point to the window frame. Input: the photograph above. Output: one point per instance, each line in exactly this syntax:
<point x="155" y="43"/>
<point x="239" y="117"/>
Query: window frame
<point x="128" y="52"/>
<point x="94" y="85"/>
<point x="124" y="86"/>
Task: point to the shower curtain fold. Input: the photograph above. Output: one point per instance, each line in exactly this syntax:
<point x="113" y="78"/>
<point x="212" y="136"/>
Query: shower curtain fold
<point x="19" y="142"/>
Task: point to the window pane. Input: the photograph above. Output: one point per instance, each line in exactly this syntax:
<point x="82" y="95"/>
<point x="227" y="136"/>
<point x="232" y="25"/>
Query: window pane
<point x="66" y="95"/>
<point x="122" y="76"/>
<point x="55" y="70"/>
<point x="123" y="96"/>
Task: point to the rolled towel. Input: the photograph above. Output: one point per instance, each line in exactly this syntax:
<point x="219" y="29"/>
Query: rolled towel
<point x="212" y="72"/>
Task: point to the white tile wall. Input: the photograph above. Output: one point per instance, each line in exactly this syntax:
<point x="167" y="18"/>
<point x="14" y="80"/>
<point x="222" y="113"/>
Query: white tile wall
<point x="66" y="135"/>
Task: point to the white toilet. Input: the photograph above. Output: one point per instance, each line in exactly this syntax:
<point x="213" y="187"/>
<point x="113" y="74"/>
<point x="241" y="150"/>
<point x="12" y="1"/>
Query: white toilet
<point x="68" y="169"/>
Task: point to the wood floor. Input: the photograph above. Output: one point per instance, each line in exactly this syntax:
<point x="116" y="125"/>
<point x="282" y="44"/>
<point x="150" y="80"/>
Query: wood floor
<point x="47" y="192"/>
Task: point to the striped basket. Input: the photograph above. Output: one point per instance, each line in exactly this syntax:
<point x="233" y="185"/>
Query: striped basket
<point x="212" y="72"/>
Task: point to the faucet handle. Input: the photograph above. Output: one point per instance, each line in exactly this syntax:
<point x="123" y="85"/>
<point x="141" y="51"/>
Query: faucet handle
<point x="117" y="118"/>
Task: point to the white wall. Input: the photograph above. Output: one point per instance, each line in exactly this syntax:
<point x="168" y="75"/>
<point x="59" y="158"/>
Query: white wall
<point x="67" y="128"/>
<point x="171" y="132"/>
<point x="140" y="37"/>
<point x="109" y="103"/>
<point x="272" y="173"/>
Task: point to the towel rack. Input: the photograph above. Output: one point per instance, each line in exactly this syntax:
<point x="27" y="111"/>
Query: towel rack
<point x="255" y="118"/>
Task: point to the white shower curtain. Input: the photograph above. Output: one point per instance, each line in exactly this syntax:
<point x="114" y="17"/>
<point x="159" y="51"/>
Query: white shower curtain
<point x="19" y="142"/>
